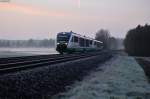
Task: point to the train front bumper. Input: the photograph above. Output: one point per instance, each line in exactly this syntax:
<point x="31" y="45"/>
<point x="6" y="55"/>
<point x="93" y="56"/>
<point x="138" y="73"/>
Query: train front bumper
<point x="61" y="47"/>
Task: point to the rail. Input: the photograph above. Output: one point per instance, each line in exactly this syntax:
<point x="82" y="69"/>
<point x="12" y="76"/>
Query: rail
<point x="8" y="65"/>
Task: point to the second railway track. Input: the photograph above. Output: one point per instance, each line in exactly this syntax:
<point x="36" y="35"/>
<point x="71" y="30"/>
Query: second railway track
<point x="22" y="63"/>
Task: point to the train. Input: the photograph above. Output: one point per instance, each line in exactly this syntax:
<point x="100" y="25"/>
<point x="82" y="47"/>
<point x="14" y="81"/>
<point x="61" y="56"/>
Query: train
<point x="70" y="42"/>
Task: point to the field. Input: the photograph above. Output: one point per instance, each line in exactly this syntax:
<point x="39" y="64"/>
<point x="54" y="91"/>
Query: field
<point x="14" y="52"/>
<point x="120" y="78"/>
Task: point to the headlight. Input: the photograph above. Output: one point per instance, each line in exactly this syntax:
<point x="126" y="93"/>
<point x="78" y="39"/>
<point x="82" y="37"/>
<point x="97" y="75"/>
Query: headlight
<point x="62" y="43"/>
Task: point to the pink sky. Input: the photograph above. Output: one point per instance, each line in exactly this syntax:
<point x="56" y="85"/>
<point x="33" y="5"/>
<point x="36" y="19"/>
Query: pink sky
<point x="30" y="10"/>
<point x="24" y="19"/>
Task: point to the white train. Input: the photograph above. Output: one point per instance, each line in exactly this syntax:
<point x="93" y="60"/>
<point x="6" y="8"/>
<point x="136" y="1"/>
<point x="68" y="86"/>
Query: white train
<point x="69" y="42"/>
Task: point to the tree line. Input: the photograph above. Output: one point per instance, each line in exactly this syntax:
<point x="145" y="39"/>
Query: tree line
<point x="28" y="43"/>
<point x="103" y="35"/>
<point x="137" y="41"/>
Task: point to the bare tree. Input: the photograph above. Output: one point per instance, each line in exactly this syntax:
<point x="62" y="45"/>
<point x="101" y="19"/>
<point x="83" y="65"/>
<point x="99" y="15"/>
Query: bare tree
<point x="103" y="35"/>
<point x="113" y="43"/>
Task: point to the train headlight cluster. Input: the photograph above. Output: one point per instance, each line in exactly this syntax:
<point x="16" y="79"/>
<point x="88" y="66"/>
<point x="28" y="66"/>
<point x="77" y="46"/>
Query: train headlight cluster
<point x="58" y="43"/>
<point x="62" y="43"/>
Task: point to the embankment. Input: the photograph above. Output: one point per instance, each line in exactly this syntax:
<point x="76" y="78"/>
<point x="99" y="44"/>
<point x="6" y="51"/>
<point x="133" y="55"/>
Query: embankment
<point x="43" y="82"/>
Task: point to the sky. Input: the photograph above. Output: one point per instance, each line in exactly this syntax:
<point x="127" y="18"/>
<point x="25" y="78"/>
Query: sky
<point x="39" y="19"/>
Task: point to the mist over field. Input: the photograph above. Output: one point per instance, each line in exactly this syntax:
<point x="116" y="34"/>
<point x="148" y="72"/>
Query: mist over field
<point x="14" y="48"/>
<point x="45" y="43"/>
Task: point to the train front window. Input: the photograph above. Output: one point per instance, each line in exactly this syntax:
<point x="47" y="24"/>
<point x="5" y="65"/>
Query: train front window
<point x="62" y="38"/>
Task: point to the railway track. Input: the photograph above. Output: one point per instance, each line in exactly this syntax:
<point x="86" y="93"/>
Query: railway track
<point x="15" y="64"/>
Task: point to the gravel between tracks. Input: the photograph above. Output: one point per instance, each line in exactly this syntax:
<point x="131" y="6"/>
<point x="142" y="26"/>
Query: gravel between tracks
<point x="43" y="82"/>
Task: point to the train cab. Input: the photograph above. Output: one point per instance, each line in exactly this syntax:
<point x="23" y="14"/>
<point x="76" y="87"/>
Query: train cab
<point x="62" y="41"/>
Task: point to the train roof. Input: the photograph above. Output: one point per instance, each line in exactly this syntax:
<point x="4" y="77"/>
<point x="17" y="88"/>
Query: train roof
<point x="79" y="35"/>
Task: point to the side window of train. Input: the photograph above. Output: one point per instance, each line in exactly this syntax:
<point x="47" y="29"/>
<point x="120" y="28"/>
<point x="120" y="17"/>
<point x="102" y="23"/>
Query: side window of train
<point x="99" y="44"/>
<point x="90" y="42"/>
<point x="81" y="42"/>
<point x="87" y="43"/>
<point x="75" y="39"/>
<point x="95" y="43"/>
